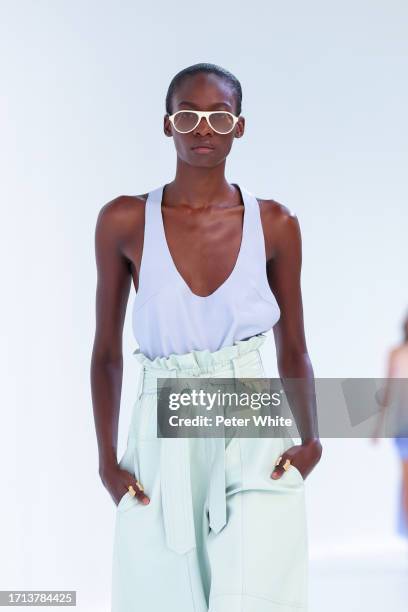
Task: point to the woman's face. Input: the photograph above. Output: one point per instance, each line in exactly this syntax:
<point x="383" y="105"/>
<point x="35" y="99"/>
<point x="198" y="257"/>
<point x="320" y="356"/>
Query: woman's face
<point x="204" y="92"/>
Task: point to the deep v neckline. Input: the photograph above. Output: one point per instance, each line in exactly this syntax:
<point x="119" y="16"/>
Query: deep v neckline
<point x="238" y="259"/>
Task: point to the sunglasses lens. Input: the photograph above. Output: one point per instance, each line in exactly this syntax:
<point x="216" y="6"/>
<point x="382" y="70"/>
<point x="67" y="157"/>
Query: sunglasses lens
<point x="221" y="122"/>
<point x="185" y="121"/>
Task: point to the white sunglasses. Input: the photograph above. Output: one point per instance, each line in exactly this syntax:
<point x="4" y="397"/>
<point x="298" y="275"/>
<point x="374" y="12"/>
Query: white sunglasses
<point x="185" y="121"/>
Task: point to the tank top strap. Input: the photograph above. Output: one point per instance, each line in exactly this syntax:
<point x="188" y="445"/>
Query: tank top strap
<point x="154" y="268"/>
<point x="255" y="254"/>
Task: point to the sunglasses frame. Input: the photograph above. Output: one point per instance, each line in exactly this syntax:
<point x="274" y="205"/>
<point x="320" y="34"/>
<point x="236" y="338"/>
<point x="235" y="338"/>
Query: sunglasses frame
<point x="201" y="114"/>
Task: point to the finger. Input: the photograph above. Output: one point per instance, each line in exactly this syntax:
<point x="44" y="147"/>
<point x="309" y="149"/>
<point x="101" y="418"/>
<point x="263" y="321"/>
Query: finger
<point x="277" y="472"/>
<point x="279" y="469"/>
<point x="137" y="487"/>
<point x="139" y="491"/>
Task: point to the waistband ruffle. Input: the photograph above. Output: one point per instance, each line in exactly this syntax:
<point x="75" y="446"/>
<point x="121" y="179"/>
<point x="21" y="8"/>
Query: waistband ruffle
<point x="201" y="358"/>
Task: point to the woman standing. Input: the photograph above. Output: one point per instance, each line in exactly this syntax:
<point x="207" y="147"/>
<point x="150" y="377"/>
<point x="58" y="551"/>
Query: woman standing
<point x="396" y="395"/>
<point x="202" y="524"/>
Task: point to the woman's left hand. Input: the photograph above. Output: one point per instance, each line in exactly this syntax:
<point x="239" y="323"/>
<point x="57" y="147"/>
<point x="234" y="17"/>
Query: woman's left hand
<point x="304" y="456"/>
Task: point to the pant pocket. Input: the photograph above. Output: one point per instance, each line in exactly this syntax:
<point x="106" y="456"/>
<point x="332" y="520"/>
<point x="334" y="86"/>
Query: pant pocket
<point x="126" y="502"/>
<point x="297" y="472"/>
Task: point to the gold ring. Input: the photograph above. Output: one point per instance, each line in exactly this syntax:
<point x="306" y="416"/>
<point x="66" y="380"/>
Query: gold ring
<point x="286" y="464"/>
<point x="279" y="460"/>
<point x="131" y="490"/>
<point x="139" y="486"/>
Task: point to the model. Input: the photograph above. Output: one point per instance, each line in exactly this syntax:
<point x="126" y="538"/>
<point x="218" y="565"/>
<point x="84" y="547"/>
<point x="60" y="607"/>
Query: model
<point x="395" y="403"/>
<point x="203" y="524"/>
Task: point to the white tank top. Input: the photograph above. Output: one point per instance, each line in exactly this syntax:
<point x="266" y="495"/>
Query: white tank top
<point x="167" y="317"/>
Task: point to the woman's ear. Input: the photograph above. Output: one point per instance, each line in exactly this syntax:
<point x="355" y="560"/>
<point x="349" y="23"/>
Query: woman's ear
<point x="167" y="126"/>
<point x="240" y="127"/>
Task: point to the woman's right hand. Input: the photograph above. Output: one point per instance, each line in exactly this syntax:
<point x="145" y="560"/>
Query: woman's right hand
<point x="117" y="480"/>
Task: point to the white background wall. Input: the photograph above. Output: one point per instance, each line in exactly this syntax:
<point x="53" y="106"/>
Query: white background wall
<point x="83" y="87"/>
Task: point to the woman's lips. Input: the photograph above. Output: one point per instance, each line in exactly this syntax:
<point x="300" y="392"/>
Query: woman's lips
<point x="203" y="149"/>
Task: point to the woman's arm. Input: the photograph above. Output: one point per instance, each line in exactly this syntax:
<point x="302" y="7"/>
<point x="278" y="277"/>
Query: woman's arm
<point x="284" y="276"/>
<point x="112" y="294"/>
<point x="384" y="400"/>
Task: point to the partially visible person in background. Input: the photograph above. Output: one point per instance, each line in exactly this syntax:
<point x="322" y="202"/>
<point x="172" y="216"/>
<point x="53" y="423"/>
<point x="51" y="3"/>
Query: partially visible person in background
<point x="396" y="395"/>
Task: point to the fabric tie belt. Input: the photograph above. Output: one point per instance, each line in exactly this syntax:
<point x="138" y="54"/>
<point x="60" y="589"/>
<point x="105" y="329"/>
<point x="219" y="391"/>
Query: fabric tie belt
<point x="175" y="475"/>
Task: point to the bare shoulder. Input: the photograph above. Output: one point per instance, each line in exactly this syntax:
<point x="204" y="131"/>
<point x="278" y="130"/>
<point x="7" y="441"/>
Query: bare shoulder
<point x="280" y="226"/>
<point x="276" y="211"/>
<point x="397" y="351"/>
<point x="122" y="214"/>
<point x="123" y="205"/>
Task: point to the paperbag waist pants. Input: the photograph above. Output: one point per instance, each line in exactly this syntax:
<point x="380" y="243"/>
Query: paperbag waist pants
<point x="219" y="535"/>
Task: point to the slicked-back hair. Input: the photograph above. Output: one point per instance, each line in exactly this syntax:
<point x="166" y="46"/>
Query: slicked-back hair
<point x="209" y="69"/>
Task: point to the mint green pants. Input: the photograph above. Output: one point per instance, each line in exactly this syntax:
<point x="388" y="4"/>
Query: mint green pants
<point x="219" y="535"/>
